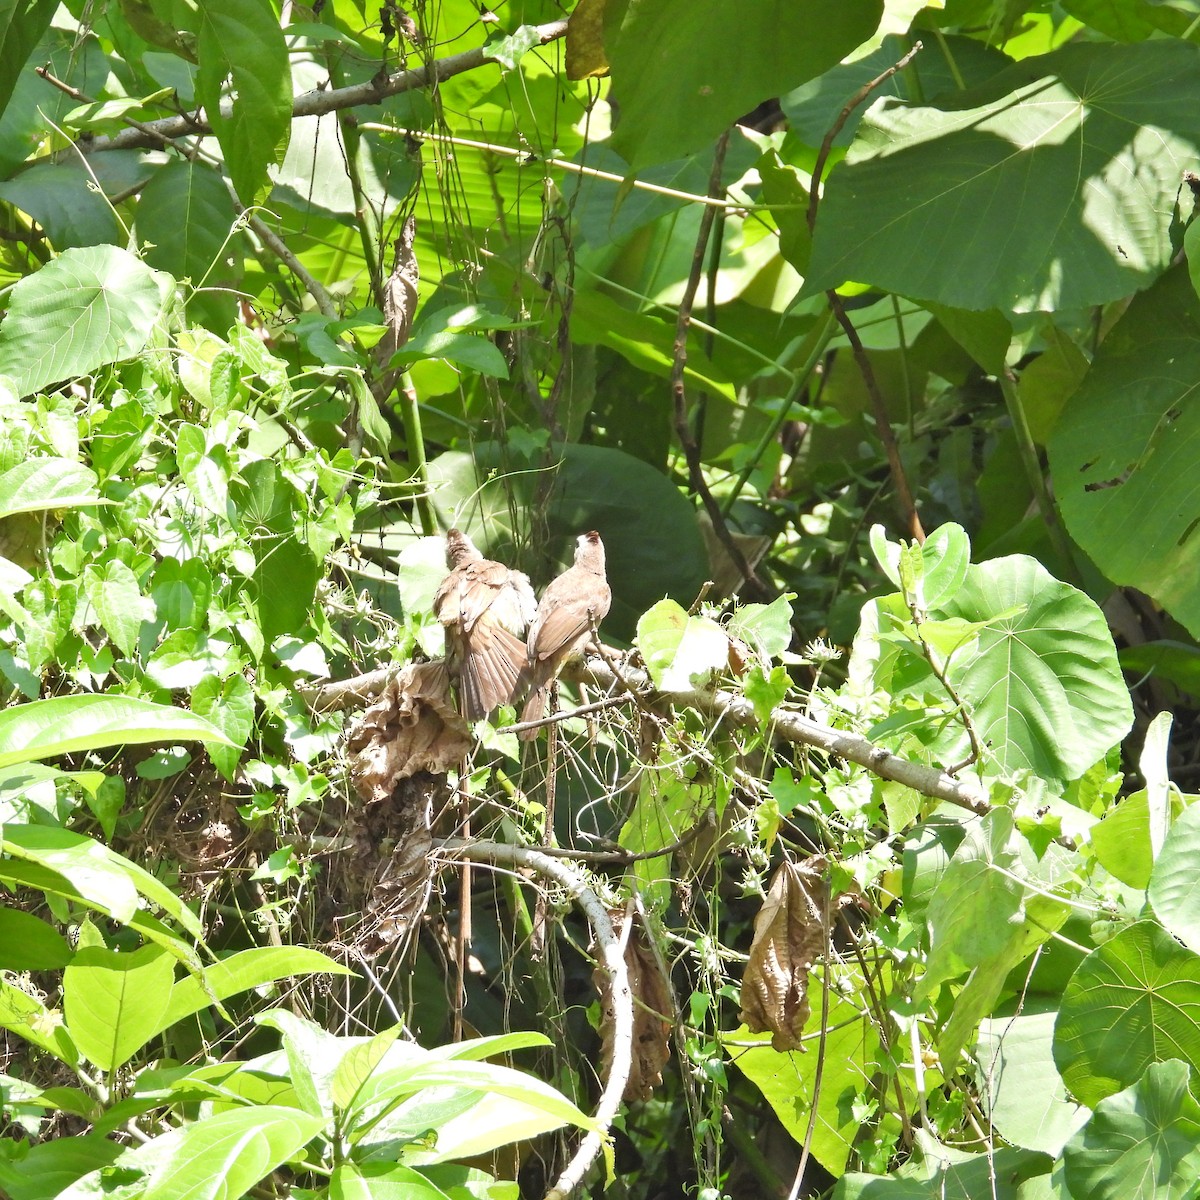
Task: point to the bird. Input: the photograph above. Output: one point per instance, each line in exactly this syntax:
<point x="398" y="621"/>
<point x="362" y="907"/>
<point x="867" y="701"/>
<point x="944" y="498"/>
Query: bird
<point x="484" y="608"/>
<point x="570" y="608"/>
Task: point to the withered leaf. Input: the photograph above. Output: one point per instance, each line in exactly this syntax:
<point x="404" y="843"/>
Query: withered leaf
<point x="400" y="292"/>
<point x="790" y="933"/>
<point x="412" y="727"/>
<point x="652" y="1009"/>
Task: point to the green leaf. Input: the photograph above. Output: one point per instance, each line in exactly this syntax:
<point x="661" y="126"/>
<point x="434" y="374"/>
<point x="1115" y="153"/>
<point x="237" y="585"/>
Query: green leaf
<point x="512" y="1106"/>
<point x="644" y="340"/>
<point x="30" y="1019"/>
<point x="241" y="40"/>
<point x="1043" y="685"/>
<point x="28" y="943"/>
<point x="681" y="651"/>
<point x="382" y="1181"/>
<point x="118" y="600"/>
<point x="681" y="74"/>
<point x="1133" y="1001"/>
<point x="101" y="877"/>
<point x="39" y="484"/>
<point x="1141" y="1144"/>
<point x="313" y="1056"/>
<point x="358" y="1064"/>
<point x="223" y="1156"/>
<point x="239" y="973"/>
<point x="47" y="1170"/>
<point x="22" y="23"/>
<point x="228" y="704"/>
<point x="463" y="349"/>
<point x="946" y="1174"/>
<point x="1174" y="890"/>
<point x="1080" y="150"/>
<point x="1122" y="841"/>
<point x="184" y="216"/>
<point x="1026" y="1099"/>
<point x="979" y="902"/>
<point x="766" y="627"/>
<point x="786" y="1080"/>
<point x="68" y="724"/>
<point x="595" y="488"/>
<point x="284" y="584"/>
<point x="114" y="1001"/>
<point x="85" y="309"/>
<point x="1121" y="452"/>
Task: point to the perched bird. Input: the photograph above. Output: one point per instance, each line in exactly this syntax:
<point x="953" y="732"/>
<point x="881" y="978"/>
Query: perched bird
<point x="484" y="607"/>
<point x="570" y="608"/>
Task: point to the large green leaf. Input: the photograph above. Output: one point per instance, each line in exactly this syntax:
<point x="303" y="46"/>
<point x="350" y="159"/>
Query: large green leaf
<point x="222" y="1157"/>
<point x="68" y="724"/>
<point x="1123" y="451"/>
<point x="100" y="877"/>
<point x="1141" y="1144"/>
<point x="1175" y="882"/>
<point x="87" y="308"/>
<point x="241" y="40"/>
<point x="22" y="23"/>
<point x="1026" y="1100"/>
<point x="786" y="1079"/>
<point x="1132" y="1002"/>
<point x="653" y="543"/>
<point x="1054" y="186"/>
<point x="1042" y="682"/>
<point x="47" y="1169"/>
<point x="684" y="72"/>
<point x="27" y="943"/>
<point x="942" y="1173"/>
<point x="240" y="972"/>
<point x="38" y="484"/>
<point x="114" y="1001"/>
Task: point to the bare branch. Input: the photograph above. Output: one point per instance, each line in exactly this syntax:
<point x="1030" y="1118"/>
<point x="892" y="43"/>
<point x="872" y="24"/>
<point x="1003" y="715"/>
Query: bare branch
<point x="611" y="955"/>
<point x="317" y="102"/>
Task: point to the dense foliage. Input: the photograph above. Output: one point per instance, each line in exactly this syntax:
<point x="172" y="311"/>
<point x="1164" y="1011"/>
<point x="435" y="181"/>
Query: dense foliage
<point x="865" y="333"/>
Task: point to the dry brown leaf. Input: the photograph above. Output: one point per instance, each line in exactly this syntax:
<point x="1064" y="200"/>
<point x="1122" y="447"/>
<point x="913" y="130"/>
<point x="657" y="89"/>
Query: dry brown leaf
<point x="790" y="933"/>
<point x="585" y="40"/>
<point x="412" y="727"/>
<point x="400" y="292"/>
<point x="651" y="1013"/>
<point x="400" y="892"/>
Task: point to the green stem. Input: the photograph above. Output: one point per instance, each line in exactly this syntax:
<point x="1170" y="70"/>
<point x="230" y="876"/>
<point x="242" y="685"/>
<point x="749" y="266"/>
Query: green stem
<point x="1033" y="471"/>
<point x="799" y="381"/>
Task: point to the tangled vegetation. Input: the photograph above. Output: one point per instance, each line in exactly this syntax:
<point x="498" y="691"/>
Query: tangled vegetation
<point x="857" y="857"/>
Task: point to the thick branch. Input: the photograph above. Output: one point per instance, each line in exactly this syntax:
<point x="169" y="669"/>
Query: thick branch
<point x="317" y="102"/>
<point x="736" y="710"/>
<point x="611" y="956"/>
<point x="729" y="707"/>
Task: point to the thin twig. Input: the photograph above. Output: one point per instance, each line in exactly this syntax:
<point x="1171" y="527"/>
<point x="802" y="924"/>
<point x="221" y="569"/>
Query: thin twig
<point x="883" y="425"/>
<point x="611" y="960"/>
<point x="683" y="431"/>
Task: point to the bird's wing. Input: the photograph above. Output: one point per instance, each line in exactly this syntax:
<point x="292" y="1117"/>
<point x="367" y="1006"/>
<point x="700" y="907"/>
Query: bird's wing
<point x="490" y="667"/>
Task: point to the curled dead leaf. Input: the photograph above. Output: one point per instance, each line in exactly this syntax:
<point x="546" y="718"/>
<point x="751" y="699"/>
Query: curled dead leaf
<point x="790" y="932"/>
<point x="412" y="727"/>
<point x="652" y="1009"/>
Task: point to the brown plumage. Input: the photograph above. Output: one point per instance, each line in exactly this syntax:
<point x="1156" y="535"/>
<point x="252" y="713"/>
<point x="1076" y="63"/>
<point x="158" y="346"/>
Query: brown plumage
<point x="484" y="607"/>
<point x="570" y="607"/>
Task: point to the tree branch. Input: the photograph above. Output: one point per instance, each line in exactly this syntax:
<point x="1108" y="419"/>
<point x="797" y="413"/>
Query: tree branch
<point x="610" y="953"/>
<point x="726" y="706"/>
<point x="317" y="102"/>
